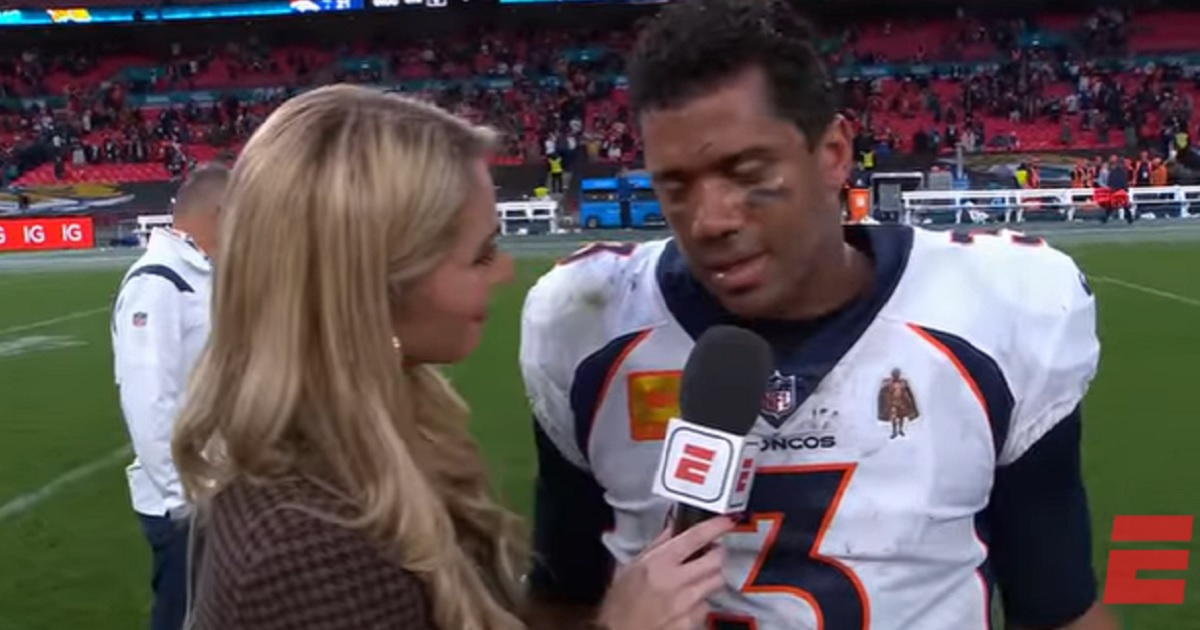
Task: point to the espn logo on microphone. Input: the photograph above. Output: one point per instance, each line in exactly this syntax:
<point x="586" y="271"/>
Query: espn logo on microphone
<point x="705" y="468"/>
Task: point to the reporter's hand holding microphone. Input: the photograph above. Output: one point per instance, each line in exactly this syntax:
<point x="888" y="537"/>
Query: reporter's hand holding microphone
<point x="706" y="467"/>
<point x="662" y="589"/>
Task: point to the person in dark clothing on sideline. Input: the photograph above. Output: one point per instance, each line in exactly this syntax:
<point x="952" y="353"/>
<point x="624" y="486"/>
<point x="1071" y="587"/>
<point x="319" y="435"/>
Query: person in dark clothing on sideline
<point x="1118" y="183"/>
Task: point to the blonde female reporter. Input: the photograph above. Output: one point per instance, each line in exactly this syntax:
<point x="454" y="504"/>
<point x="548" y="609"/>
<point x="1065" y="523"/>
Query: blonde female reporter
<point x="336" y="481"/>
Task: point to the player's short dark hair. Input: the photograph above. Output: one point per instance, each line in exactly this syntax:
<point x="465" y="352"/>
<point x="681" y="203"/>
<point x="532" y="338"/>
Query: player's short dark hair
<point x="694" y="45"/>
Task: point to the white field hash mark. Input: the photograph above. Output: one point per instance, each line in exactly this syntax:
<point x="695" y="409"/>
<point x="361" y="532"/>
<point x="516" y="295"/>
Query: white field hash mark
<point x="54" y="320"/>
<point x="1183" y="299"/>
<point x="25" y="502"/>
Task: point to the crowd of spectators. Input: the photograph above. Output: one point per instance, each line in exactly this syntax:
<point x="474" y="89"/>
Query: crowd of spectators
<point x="1062" y="97"/>
<point x="557" y="93"/>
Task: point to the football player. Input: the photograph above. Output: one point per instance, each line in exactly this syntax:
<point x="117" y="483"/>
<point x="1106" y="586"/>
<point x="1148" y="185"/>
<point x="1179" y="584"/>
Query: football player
<point x="920" y="438"/>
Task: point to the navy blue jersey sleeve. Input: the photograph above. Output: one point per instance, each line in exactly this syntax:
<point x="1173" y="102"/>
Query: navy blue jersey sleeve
<point x="1040" y="533"/>
<point x="571" y="563"/>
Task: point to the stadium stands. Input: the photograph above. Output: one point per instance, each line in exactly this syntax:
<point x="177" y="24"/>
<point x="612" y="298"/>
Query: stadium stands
<point x="988" y="86"/>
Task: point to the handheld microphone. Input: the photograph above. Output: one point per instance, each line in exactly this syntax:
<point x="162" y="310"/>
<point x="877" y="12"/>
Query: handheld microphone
<point x="707" y="463"/>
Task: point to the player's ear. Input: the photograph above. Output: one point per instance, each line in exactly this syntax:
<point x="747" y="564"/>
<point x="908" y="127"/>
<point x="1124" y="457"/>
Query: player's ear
<point x="835" y="152"/>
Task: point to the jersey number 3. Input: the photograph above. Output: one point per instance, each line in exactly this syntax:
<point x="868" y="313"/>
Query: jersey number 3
<point x="798" y="503"/>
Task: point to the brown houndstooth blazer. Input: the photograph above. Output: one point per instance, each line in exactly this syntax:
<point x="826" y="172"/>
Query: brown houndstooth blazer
<point x="267" y="566"/>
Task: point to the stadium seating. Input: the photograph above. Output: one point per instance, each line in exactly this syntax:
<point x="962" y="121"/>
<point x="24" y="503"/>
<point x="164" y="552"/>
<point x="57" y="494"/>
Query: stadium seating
<point x="1168" y="32"/>
<point x="905" y="81"/>
<point x="125" y="173"/>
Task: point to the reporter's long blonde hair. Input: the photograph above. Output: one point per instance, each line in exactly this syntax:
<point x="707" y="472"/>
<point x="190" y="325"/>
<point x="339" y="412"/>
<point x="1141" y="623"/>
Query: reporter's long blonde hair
<point x="339" y="202"/>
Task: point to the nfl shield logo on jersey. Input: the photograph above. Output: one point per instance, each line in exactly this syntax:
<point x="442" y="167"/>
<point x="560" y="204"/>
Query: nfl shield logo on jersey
<point x="779" y="401"/>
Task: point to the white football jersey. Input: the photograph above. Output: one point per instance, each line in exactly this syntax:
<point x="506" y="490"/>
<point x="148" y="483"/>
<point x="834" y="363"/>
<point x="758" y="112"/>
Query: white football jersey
<point x="882" y="429"/>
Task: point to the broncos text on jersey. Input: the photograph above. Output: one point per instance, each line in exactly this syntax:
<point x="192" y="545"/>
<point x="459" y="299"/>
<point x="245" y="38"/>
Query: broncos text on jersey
<point x="896" y="433"/>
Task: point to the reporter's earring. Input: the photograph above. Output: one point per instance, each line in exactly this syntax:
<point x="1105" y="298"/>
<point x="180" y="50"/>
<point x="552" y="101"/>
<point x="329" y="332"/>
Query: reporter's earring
<point x="396" y="344"/>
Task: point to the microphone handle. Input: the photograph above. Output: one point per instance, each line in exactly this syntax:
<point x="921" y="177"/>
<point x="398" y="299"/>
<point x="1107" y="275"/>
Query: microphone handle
<point x="687" y="517"/>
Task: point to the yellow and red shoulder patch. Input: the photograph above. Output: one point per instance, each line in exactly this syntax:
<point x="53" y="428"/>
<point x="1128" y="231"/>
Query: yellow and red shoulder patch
<point x="653" y="401"/>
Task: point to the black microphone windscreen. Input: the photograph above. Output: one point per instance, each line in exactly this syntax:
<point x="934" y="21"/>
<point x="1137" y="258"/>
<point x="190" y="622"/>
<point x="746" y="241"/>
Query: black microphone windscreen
<point x="725" y="378"/>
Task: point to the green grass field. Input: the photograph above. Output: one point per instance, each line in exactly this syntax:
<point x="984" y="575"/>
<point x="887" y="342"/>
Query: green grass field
<point x="72" y="558"/>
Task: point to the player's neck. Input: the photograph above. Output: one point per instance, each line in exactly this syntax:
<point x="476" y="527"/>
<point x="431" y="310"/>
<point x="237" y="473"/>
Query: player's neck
<point x="199" y="236"/>
<point x="833" y="285"/>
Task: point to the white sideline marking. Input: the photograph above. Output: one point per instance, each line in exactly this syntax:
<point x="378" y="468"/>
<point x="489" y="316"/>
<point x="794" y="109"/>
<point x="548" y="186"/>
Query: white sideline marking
<point x="25" y="502"/>
<point x="54" y="320"/>
<point x="1150" y="290"/>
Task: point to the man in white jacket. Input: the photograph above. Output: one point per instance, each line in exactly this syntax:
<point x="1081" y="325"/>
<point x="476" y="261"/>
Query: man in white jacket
<point x="160" y="325"/>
